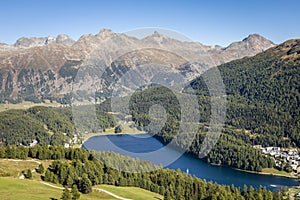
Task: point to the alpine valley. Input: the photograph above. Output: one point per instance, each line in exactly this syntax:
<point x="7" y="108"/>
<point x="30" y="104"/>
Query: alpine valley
<point x="260" y="135"/>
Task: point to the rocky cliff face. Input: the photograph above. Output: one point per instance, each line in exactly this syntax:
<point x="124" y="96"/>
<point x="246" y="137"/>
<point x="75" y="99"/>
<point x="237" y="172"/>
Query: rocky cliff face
<point x="36" y="69"/>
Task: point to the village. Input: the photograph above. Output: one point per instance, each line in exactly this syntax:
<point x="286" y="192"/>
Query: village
<point x="71" y="142"/>
<point x="283" y="157"/>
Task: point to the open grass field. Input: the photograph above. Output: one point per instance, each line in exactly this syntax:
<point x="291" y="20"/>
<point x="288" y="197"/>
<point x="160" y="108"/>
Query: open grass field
<point x="127" y="129"/>
<point x="9" y="167"/>
<point x="14" y="167"/>
<point x="15" y="189"/>
<point x="131" y="192"/>
<point x="276" y="172"/>
<point x="25" y="105"/>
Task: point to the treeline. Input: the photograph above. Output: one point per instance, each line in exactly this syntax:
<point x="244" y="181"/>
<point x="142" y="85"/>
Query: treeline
<point x="16" y="127"/>
<point x="235" y="153"/>
<point x="230" y="149"/>
<point x="263" y="97"/>
<point x="79" y="167"/>
<point x="124" y="163"/>
<point x="49" y="126"/>
<point x="263" y="94"/>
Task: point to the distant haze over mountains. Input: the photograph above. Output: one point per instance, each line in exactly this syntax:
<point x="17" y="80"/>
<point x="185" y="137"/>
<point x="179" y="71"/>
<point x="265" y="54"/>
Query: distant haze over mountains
<point x="42" y="68"/>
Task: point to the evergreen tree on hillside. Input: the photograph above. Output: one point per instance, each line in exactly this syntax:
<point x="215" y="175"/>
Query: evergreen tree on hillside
<point x="85" y="185"/>
<point x="119" y="129"/>
<point x="28" y="174"/>
<point x="40" y="169"/>
<point x="66" y="195"/>
<point x="75" y="192"/>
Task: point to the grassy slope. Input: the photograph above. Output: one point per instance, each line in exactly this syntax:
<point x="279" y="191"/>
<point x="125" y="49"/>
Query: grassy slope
<point x="11" y="187"/>
<point x="14" y="168"/>
<point x="131" y="192"/>
<point x="276" y="172"/>
<point x="25" y="105"/>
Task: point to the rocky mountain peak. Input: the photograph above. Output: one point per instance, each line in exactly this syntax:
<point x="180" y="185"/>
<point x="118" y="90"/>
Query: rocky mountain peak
<point x="156" y="34"/>
<point x="253" y="42"/>
<point x="64" y="39"/>
<point x="48" y="65"/>
<point x="89" y="42"/>
<point x="256" y="38"/>
<point x="28" y="42"/>
<point x="6" y="47"/>
<point x="158" y="38"/>
<point x="253" y="37"/>
<point x="105" y="32"/>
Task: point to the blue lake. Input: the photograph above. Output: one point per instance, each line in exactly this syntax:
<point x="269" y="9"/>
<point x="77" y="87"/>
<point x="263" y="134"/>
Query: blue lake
<point x="148" y="148"/>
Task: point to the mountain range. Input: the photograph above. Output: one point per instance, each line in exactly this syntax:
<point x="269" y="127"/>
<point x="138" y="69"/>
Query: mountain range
<point x="40" y="68"/>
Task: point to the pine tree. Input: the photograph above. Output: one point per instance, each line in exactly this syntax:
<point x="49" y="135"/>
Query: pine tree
<point x="85" y="184"/>
<point x="167" y="195"/>
<point x="119" y="129"/>
<point x="66" y="195"/>
<point x="47" y="176"/>
<point x="75" y="193"/>
<point x="69" y="181"/>
<point x="28" y="174"/>
<point x="40" y="169"/>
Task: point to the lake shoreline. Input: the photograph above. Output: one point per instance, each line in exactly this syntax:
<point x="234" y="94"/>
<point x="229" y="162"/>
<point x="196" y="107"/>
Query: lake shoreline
<point x="266" y="173"/>
<point x="135" y="133"/>
<point x="251" y="172"/>
<point x="86" y="137"/>
<point x="197" y="167"/>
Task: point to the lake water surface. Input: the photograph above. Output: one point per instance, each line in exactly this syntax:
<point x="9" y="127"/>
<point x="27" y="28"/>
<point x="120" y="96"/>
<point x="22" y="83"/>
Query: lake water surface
<point x="148" y="148"/>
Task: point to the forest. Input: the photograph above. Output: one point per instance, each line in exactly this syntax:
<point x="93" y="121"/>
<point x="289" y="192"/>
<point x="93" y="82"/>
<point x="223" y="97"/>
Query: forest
<point x="80" y="168"/>
<point x="263" y="94"/>
<point x="49" y="126"/>
<point x="263" y="98"/>
<point x="230" y="150"/>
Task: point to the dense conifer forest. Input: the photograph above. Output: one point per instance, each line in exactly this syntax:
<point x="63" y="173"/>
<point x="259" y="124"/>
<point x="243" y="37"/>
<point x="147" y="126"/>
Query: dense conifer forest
<point x="78" y="167"/>
<point x="263" y="99"/>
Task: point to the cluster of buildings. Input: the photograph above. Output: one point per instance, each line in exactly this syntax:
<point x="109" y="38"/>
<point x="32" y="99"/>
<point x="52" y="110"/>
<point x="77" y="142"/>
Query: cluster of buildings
<point x="282" y="156"/>
<point x="72" y="141"/>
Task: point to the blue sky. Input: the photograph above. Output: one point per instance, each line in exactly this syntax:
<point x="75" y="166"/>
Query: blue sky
<point x="210" y="21"/>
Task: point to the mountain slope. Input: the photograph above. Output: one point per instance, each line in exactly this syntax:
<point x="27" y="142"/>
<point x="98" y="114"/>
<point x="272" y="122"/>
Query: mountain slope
<point x="264" y="94"/>
<point x="36" y="69"/>
<point x="48" y="126"/>
<point x="263" y="98"/>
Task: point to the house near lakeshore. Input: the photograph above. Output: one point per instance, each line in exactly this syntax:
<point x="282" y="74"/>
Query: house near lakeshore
<point x="267" y="149"/>
<point x="66" y="145"/>
<point x="33" y="143"/>
<point x="280" y="156"/>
